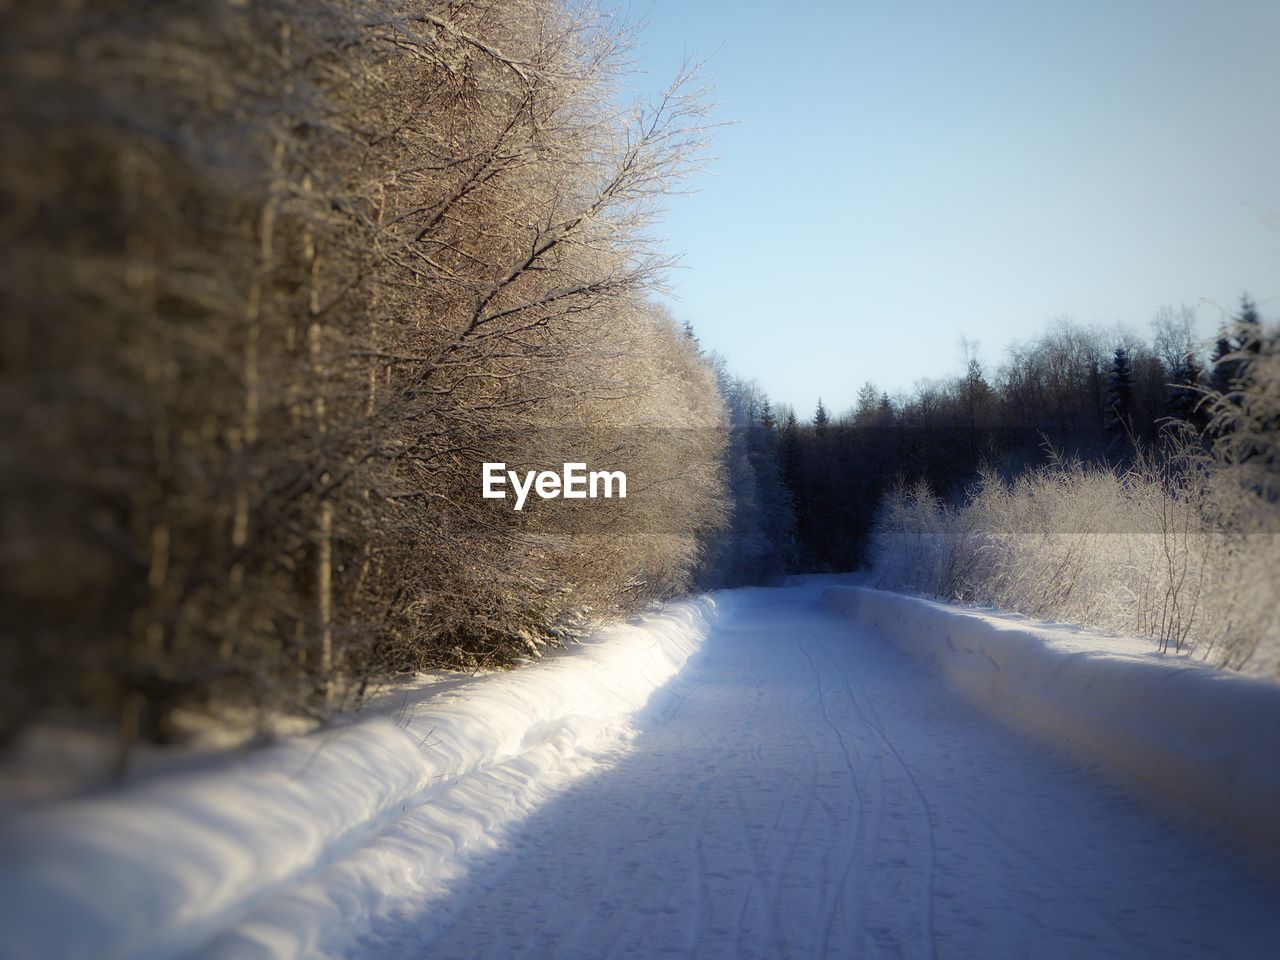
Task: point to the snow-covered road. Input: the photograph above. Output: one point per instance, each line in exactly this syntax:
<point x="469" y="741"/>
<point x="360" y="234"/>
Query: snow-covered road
<point x="802" y="789"/>
<point x="754" y="775"/>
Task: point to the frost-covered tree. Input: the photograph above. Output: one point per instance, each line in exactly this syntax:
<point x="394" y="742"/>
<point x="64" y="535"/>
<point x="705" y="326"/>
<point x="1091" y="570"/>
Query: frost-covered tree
<point x="1175" y="347"/>
<point x="304" y="267"/>
<point x="866" y="405"/>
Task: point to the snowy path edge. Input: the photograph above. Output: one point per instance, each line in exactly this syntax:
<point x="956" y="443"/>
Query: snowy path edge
<point x="158" y="868"/>
<point x="1202" y="738"/>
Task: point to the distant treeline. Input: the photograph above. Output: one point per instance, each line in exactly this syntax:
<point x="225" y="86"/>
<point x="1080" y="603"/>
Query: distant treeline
<point x="806" y="493"/>
<point x="276" y="278"/>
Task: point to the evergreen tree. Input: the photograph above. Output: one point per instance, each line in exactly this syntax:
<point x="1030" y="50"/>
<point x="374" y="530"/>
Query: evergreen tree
<point x="793" y="472"/>
<point x="976" y="396"/>
<point x="820" y="418"/>
<point x="1120" y="394"/>
<point x="1246" y="338"/>
<point x="758" y="542"/>
<point x="778" y="521"/>
<point x="1186" y="391"/>
<point x="1224" y="366"/>
<point x="767" y="419"/>
<point x="1248" y="327"/>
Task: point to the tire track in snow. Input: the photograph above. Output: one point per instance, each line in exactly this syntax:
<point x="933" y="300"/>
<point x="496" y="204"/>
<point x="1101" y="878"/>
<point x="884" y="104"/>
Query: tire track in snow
<point x="872" y="720"/>
<point x="864" y="839"/>
<point x="793" y="846"/>
<point x="759" y="879"/>
<point x="661" y="791"/>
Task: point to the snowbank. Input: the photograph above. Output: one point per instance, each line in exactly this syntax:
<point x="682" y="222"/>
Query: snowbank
<point x="295" y="848"/>
<point x="1206" y="739"/>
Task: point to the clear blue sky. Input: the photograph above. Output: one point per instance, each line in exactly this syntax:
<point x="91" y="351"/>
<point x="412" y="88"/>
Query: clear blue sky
<point x="902" y="173"/>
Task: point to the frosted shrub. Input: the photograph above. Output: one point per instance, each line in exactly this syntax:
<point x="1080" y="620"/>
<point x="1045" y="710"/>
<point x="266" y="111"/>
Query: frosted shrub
<point x="1185" y="551"/>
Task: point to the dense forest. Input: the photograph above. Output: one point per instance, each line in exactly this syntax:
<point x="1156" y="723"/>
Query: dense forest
<point x="1082" y="392"/>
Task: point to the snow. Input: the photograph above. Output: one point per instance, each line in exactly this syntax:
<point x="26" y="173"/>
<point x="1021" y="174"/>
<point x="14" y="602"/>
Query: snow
<point x="755" y="775"/>
<point x="229" y="857"/>
<point x="1195" y="735"/>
